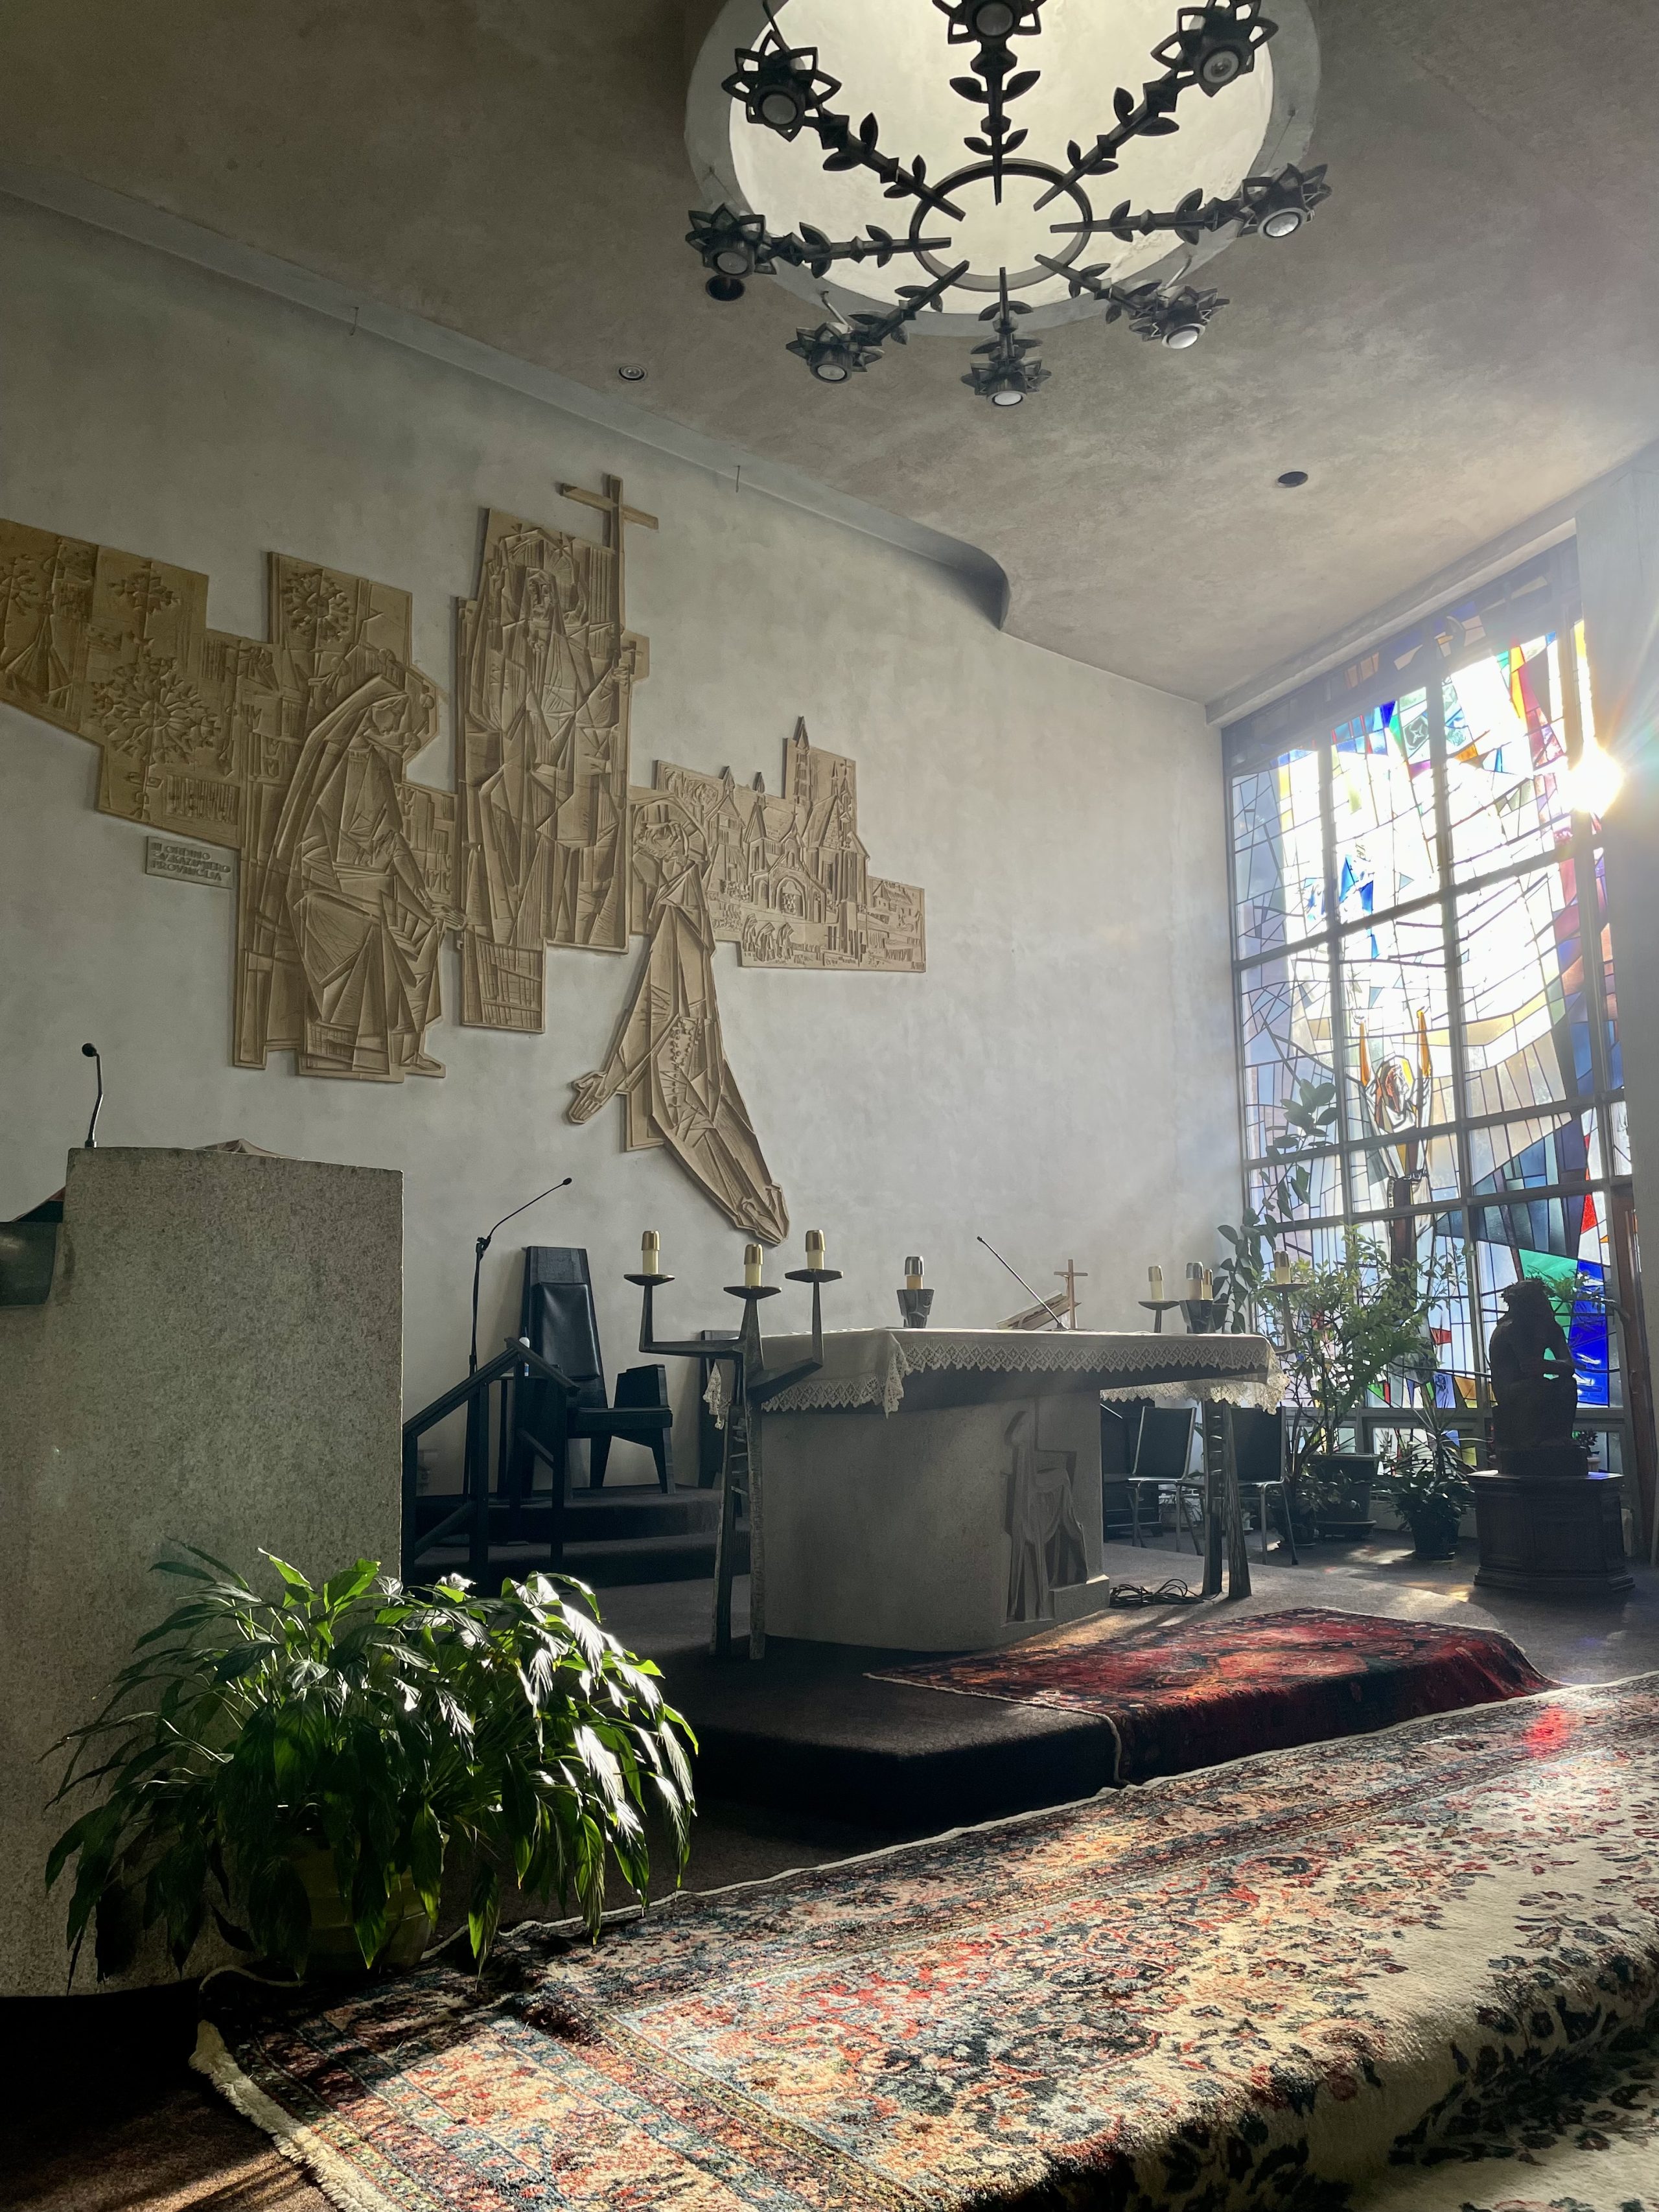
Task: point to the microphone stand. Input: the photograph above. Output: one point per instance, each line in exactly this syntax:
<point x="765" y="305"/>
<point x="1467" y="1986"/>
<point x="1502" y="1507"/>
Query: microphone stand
<point x="1060" y="1320"/>
<point x="478" y="1251"/>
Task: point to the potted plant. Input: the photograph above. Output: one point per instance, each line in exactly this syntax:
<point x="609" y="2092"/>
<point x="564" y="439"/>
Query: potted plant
<point x="299" y="1767"/>
<point x="1431" y="1489"/>
<point x="1339" y="1330"/>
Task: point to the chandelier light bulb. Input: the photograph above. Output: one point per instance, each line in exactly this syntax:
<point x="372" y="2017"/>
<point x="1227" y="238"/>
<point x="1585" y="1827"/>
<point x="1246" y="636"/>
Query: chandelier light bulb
<point x="831" y="372"/>
<point x="733" y="261"/>
<point x="1220" y="67"/>
<point x="1006" y="398"/>
<point x="1180" y="336"/>
<point x="1282" y="224"/>
<point x="992" y="18"/>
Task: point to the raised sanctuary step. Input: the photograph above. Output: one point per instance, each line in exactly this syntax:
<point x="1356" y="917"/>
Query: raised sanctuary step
<point x="625" y="1534"/>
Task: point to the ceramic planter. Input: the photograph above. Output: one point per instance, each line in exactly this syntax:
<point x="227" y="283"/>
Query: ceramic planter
<point x="1434" y="1530"/>
<point x="1344" y="1515"/>
<point x="333" y="1948"/>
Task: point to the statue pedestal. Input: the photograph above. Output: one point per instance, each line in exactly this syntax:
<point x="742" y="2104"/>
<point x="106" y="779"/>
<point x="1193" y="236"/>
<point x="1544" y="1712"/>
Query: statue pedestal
<point x="1547" y="1528"/>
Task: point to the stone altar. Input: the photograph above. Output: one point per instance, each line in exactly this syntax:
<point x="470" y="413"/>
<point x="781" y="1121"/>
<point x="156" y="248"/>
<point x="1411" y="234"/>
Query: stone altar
<point x="939" y="1490"/>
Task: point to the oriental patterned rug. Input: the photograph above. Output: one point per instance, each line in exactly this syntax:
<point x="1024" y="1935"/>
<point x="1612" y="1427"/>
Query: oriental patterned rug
<point x="1186" y="1694"/>
<point x="1236" y="1991"/>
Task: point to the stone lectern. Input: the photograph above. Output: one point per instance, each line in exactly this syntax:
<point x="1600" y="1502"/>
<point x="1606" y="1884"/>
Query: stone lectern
<point x="218" y="1362"/>
<point x="1546" y="1524"/>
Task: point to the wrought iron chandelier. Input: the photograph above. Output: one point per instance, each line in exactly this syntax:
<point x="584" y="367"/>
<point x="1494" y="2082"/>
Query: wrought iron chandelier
<point x="782" y="88"/>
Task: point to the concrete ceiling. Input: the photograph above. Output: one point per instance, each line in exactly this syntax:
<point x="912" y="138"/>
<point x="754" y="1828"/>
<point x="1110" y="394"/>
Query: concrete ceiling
<point x="1468" y="332"/>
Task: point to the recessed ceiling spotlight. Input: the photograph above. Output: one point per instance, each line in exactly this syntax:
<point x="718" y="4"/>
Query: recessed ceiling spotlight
<point x="631" y="373"/>
<point x="1292" y="478"/>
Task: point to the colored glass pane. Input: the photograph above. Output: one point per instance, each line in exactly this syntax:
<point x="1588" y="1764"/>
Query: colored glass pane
<point x="1377" y="1166"/>
<point x="1270" y="1194"/>
<point x="1615" y="1055"/>
<point x="1278" y="853"/>
<point x="1398" y="1060"/>
<point x="1524" y="1004"/>
<point x="1506" y="758"/>
<point x="1536" y="1154"/>
<point x="1286" y="1020"/>
<point x="1382" y="809"/>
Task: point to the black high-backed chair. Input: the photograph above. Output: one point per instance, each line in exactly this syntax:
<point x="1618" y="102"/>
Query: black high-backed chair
<point x="1119" y="1432"/>
<point x="557" y="1315"/>
<point x="1258" y="1455"/>
<point x="1164" y="1451"/>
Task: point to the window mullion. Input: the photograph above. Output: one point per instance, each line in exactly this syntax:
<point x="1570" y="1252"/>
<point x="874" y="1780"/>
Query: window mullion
<point x="1334" y="969"/>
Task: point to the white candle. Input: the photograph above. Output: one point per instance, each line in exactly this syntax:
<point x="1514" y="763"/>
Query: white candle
<point x="650" y="1252"/>
<point x="815" y="1248"/>
<point x="1155" y="1283"/>
<point x="1282" y="1271"/>
<point x="1209" y="1285"/>
<point x="751" y="1267"/>
<point x="913" y="1271"/>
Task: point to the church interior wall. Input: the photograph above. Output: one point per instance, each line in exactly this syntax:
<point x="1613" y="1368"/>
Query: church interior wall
<point x="1061" y="1077"/>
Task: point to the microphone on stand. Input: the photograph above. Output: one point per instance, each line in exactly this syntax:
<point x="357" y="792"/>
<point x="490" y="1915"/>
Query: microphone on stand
<point x="90" y="1052"/>
<point x="481" y="1247"/>
<point x="1060" y="1319"/>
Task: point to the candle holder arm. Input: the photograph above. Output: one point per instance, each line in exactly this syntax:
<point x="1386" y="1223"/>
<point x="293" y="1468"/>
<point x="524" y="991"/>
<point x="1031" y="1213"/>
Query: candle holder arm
<point x="660" y="1348"/>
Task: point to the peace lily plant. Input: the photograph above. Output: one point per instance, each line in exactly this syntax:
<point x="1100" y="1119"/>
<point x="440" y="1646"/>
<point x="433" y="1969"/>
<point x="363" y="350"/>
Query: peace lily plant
<point x="301" y="1768"/>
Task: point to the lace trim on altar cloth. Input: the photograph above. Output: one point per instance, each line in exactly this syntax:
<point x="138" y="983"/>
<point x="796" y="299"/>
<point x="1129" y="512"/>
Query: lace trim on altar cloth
<point x="873" y="1366"/>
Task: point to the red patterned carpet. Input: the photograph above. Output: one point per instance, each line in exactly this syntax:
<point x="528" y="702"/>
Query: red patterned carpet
<point x="1195" y="1694"/>
<point x="1259" y="1989"/>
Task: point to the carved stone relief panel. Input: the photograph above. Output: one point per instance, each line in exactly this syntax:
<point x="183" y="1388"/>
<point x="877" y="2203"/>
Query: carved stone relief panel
<point x="547" y="672"/>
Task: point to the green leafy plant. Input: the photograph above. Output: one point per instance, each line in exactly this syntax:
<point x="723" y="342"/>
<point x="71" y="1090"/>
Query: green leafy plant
<point x="380" y="1725"/>
<point x="1339" y="1330"/>
<point x="1427" y="1482"/>
<point x="1245" y="1272"/>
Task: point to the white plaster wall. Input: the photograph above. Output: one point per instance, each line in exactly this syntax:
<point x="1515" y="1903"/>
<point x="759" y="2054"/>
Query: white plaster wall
<point x="1062" y="1077"/>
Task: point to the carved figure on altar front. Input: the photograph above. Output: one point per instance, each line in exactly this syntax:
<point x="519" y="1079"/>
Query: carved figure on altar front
<point x="1534" y="1386"/>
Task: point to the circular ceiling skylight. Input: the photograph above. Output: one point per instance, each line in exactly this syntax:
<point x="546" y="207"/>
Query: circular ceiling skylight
<point x="891" y="58"/>
<point x="894" y="60"/>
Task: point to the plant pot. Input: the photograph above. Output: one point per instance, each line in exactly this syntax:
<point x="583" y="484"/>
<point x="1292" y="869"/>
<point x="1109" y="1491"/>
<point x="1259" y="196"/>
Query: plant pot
<point x="333" y="1949"/>
<point x="1434" y="1531"/>
<point x="1343" y="1514"/>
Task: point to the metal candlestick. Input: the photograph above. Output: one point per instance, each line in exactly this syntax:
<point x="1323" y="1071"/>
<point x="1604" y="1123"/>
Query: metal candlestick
<point x="1157" y="1307"/>
<point x="753" y="1386"/>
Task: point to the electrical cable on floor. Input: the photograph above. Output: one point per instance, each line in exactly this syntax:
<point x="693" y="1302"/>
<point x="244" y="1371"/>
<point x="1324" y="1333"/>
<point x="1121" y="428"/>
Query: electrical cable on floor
<point x="1173" y="1592"/>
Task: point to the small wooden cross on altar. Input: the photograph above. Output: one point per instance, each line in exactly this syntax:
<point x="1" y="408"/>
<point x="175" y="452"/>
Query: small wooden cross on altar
<point x="617" y="514"/>
<point x="1071" y="1276"/>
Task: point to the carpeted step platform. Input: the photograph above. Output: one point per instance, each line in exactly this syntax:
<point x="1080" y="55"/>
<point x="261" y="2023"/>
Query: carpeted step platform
<point x="1233" y="1990"/>
<point x="1220" y="1688"/>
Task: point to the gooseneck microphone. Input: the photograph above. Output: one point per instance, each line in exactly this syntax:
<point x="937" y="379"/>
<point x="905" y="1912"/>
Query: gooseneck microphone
<point x="483" y="1246"/>
<point x="90" y="1052"/>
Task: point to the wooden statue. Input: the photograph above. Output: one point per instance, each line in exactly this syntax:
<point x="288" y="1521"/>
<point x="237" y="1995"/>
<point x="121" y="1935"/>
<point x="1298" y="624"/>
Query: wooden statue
<point x="1534" y="1385"/>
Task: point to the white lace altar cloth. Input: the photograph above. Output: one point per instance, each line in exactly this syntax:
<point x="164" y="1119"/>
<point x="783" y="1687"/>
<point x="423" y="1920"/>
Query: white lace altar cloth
<point x="868" y="1366"/>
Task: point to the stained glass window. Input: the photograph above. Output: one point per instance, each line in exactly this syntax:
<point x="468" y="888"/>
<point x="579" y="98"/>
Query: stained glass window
<point x="1433" y="917"/>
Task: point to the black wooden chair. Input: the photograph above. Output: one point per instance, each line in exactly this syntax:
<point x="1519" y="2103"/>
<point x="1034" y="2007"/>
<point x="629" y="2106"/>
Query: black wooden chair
<point x="1120" y="1432"/>
<point x="557" y="1315"/>
<point x="1258" y="1455"/>
<point x="1164" y="1451"/>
